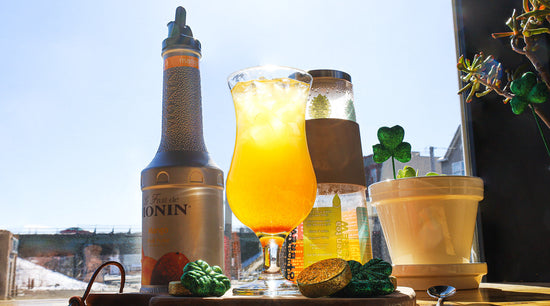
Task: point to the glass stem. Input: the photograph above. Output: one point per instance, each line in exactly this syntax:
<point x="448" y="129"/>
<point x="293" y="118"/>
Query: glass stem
<point x="271" y="259"/>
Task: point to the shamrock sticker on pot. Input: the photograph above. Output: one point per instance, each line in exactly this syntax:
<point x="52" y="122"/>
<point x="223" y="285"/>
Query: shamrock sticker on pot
<point x="391" y="145"/>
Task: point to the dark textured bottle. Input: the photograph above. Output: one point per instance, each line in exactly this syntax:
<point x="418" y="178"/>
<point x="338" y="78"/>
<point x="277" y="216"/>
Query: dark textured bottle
<point x="182" y="213"/>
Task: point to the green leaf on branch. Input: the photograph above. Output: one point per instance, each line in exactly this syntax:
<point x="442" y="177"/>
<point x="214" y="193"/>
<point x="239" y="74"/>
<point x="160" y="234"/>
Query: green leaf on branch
<point x="538" y="94"/>
<point x="518" y="105"/>
<point x="533" y="32"/>
<point x="527" y="90"/>
<point x="536" y="13"/>
<point x="480" y="71"/>
<point x="523" y="85"/>
<point x="463" y="89"/>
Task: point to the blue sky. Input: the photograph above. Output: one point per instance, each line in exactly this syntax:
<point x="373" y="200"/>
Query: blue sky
<point x="81" y="88"/>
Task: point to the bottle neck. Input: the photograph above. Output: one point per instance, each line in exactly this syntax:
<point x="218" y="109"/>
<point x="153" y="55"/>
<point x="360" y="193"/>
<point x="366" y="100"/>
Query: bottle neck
<point x="181" y="103"/>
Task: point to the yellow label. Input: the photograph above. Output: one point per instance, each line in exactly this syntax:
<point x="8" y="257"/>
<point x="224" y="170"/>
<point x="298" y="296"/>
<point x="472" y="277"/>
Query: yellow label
<point x="320" y="234"/>
<point x="350" y="218"/>
<point x="330" y="232"/>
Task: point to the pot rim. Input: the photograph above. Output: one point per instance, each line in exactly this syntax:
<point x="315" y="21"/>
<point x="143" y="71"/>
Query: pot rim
<point x="427" y="186"/>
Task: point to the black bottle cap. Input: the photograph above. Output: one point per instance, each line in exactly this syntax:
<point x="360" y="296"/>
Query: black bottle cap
<point x="180" y="34"/>
<point x="319" y="73"/>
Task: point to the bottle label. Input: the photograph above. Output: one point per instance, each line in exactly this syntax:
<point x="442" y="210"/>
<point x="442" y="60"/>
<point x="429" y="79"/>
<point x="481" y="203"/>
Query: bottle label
<point x="329" y="232"/>
<point x="181" y="61"/>
<point x="179" y="225"/>
<point x="294" y="253"/>
<point x="325" y="234"/>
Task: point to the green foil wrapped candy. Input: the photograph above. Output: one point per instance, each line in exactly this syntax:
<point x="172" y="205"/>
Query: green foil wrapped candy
<point x="370" y="279"/>
<point x="203" y="280"/>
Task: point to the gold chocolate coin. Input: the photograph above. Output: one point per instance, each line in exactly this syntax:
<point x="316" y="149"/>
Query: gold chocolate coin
<point x="175" y="288"/>
<point x="393" y="280"/>
<point x="324" y="277"/>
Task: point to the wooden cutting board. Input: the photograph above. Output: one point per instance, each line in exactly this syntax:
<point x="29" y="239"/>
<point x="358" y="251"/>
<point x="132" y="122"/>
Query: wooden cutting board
<point x="403" y="296"/>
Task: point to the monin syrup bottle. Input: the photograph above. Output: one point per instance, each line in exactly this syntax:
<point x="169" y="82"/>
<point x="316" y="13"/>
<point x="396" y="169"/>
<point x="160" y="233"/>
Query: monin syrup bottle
<point x="182" y="187"/>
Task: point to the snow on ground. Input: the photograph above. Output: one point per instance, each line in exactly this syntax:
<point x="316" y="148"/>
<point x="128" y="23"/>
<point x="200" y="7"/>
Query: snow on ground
<point x="45" y="279"/>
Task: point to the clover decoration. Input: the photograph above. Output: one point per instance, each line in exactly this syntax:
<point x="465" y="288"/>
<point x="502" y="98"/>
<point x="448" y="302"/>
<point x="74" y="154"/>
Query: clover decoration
<point x="204" y="280"/>
<point x="391" y="145"/>
<point x="527" y="90"/>
<point x="371" y="279"/>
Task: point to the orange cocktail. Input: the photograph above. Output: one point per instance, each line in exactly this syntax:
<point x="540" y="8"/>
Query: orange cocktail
<point x="271" y="185"/>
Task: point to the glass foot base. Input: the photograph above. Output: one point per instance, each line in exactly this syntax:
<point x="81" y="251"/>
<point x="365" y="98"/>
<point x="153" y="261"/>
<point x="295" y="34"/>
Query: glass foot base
<point x="270" y="286"/>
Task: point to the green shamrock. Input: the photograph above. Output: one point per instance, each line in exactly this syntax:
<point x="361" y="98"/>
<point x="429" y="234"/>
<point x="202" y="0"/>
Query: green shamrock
<point x="391" y="145"/>
<point x="527" y="90"/>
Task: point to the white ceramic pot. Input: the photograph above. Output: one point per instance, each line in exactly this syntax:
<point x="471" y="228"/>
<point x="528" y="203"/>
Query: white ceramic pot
<point x="428" y="220"/>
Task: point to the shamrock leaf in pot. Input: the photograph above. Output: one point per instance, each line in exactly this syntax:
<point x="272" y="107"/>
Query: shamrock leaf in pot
<point x="407" y="171"/>
<point x="391" y="145"/>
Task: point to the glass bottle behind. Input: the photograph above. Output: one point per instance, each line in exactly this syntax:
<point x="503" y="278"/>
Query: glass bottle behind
<point x="182" y="213"/>
<point x="337" y="226"/>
